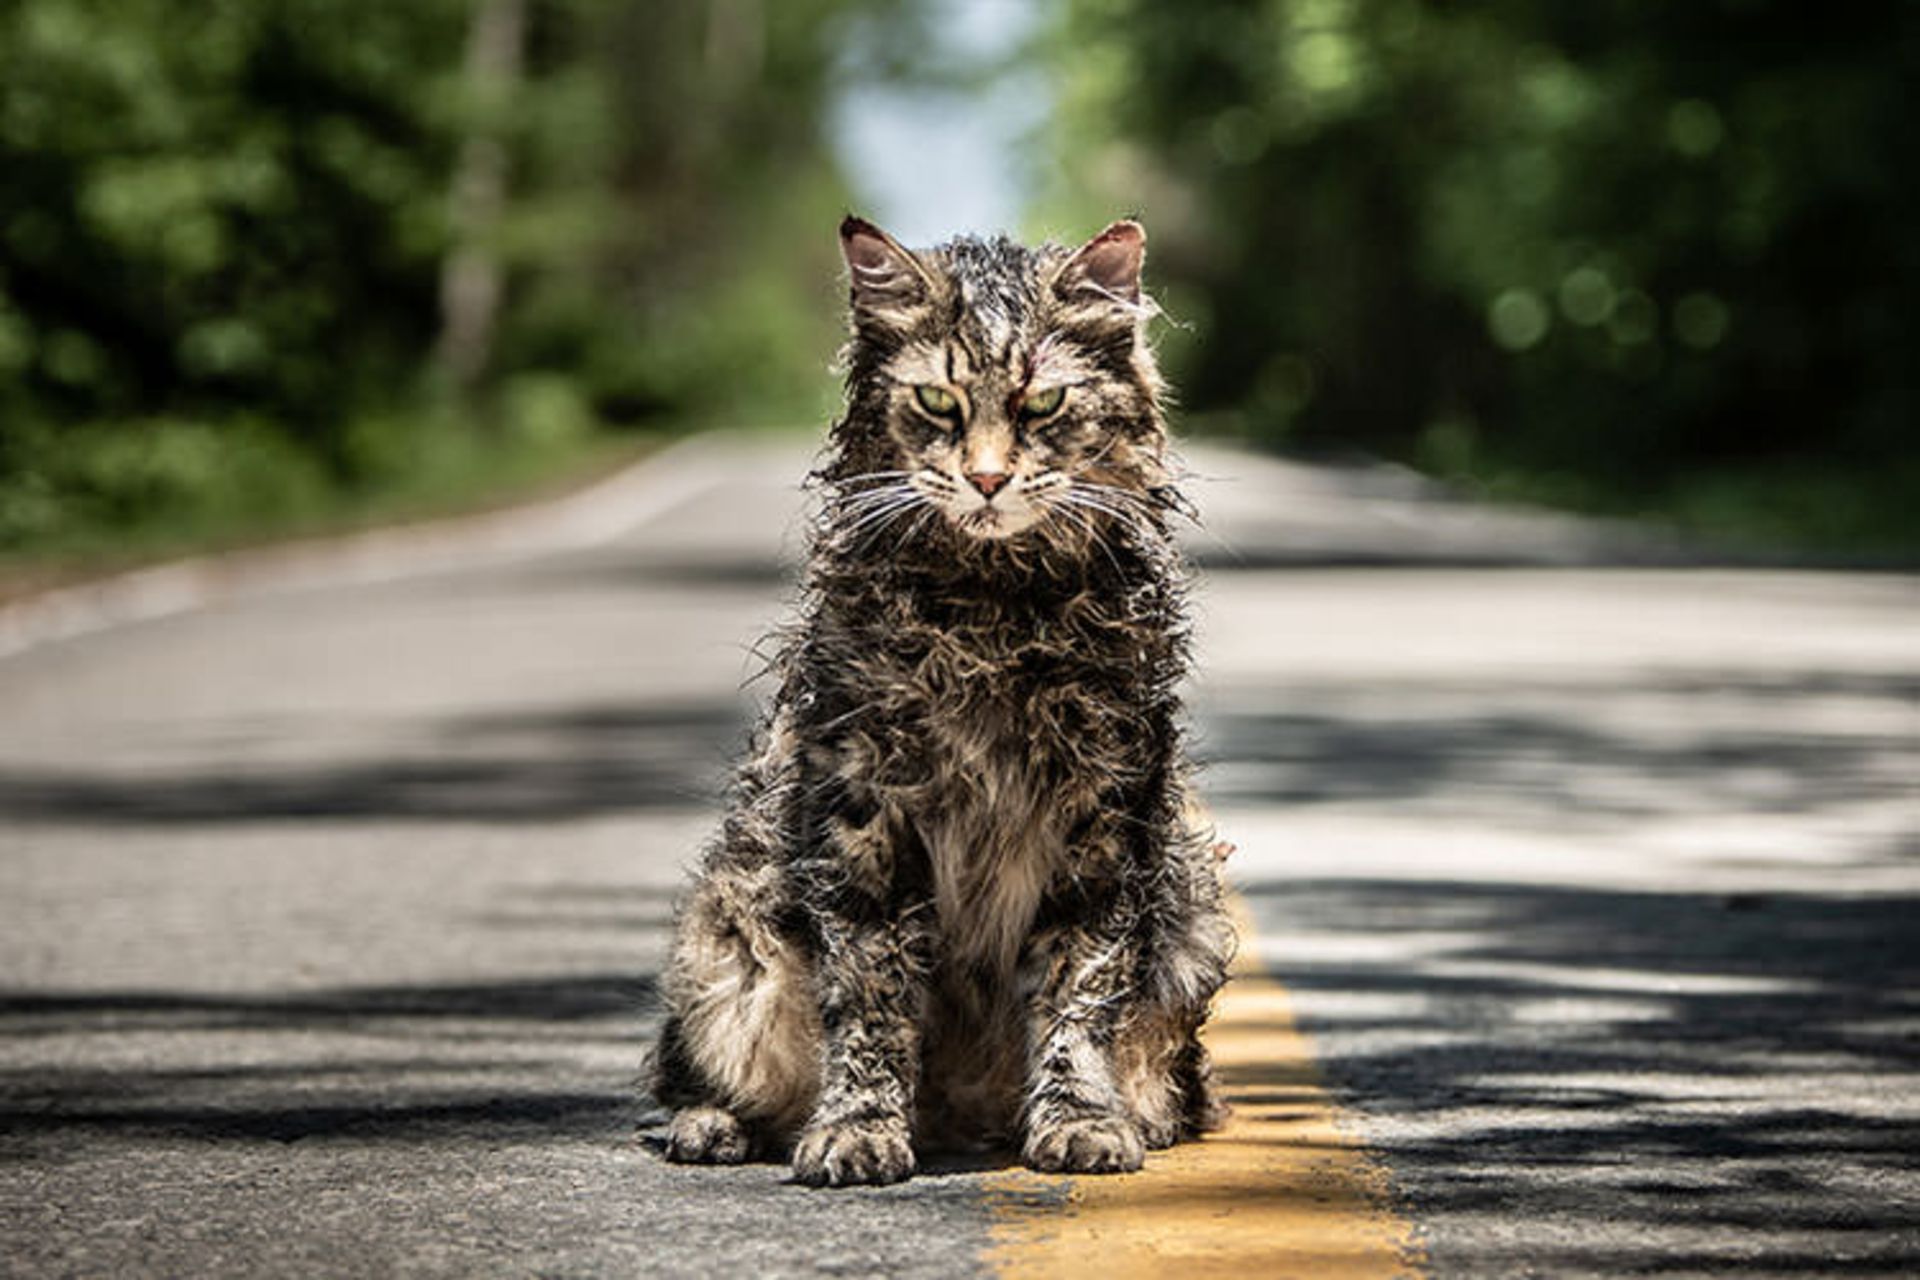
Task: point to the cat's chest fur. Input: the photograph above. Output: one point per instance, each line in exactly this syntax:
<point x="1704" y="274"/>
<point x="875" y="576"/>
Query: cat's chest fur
<point x="996" y="719"/>
<point x="993" y="841"/>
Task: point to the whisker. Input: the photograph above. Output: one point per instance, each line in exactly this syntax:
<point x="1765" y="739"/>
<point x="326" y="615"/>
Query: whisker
<point x="869" y="498"/>
<point x="881" y="514"/>
<point x="1128" y="520"/>
<point x="886" y="522"/>
<point x="1159" y="498"/>
<point x="866" y="477"/>
<point x="1114" y="496"/>
<point x="1127" y="515"/>
<point x="1110" y="490"/>
<point x="892" y="502"/>
<point x="1084" y="522"/>
<point x="858" y="501"/>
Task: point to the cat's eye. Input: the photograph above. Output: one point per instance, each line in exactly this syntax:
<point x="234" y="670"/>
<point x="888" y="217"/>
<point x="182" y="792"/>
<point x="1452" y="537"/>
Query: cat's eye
<point x="938" y="401"/>
<point x="1042" y="403"/>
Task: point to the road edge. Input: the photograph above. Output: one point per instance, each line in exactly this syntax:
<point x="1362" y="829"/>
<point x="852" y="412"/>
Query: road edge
<point x="586" y="517"/>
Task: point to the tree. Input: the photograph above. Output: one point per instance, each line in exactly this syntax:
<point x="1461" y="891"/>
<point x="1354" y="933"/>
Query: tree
<point x="239" y="240"/>
<point x="1621" y="249"/>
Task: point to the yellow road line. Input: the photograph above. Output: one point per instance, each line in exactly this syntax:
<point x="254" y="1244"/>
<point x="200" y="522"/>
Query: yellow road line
<point x="1282" y="1190"/>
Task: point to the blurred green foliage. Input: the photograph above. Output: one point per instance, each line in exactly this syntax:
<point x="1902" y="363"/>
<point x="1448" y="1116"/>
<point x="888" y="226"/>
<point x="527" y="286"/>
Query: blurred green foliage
<point x="1622" y="254"/>
<point x="223" y="228"/>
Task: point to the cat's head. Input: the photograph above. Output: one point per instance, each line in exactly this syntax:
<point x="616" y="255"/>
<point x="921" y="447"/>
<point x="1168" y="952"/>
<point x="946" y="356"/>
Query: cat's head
<point x="1003" y="388"/>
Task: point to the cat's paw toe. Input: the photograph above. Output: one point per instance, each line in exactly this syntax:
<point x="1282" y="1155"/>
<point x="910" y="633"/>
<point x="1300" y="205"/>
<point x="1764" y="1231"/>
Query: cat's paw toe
<point x="707" y="1135"/>
<point x="1093" y="1144"/>
<point x="839" y="1155"/>
<point x="1160" y="1134"/>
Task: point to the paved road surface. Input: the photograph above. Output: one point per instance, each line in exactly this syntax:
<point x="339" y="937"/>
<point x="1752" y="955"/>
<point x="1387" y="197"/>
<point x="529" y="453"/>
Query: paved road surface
<point x="327" y="916"/>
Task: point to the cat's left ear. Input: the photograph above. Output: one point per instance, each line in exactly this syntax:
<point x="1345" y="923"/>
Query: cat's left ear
<point x="884" y="276"/>
<point x="1108" y="264"/>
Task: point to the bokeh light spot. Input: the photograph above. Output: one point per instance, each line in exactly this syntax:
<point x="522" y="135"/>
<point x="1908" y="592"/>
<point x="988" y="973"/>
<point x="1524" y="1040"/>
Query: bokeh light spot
<point x="1694" y="128"/>
<point x="1700" y="320"/>
<point x="1586" y="296"/>
<point x="1325" y="62"/>
<point x="224" y="346"/>
<point x="71" y="357"/>
<point x="1238" y="134"/>
<point x="1518" y="319"/>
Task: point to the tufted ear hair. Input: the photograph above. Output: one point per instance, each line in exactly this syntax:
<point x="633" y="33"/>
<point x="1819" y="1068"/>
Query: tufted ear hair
<point x="883" y="276"/>
<point x="1108" y="265"/>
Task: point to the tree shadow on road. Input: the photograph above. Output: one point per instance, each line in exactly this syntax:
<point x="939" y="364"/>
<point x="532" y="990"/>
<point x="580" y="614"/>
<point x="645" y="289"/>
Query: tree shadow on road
<point x="481" y="1061"/>
<point x="529" y="767"/>
<point x="1516" y="751"/>
<point x="1631" y="1082"/>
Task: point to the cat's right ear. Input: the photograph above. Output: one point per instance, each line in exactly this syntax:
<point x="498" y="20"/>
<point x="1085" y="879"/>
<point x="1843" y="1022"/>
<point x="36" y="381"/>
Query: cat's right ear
<point x="886" y="281"/>
<point x="1107" y="266"/>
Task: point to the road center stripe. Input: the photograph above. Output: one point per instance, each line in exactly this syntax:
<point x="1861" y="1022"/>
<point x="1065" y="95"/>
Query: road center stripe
<point x="1282" y="1190"/>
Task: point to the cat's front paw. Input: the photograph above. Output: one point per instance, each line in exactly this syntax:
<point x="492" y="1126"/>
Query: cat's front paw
<point x="839" y="1155"/>
<point x="707" y="1135"/>
<point x="1160" y="1133"/>
<point x="1090" y="1144"/>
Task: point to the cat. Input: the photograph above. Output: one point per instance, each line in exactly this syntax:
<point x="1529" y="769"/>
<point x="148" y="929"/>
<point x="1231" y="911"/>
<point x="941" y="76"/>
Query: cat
<point x="961" y="897"/>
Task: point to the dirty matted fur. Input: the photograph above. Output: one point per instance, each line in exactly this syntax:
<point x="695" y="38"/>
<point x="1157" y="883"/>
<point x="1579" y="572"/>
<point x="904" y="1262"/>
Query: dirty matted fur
<point x="960" y="897"/>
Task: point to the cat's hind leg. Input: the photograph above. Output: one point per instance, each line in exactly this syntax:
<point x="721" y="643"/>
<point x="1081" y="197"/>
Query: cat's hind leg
<point x="1115" y="1062"/>
<point x="1161" y="1067"/>
<point x="1165" y="1075"/>
<point x="738" y="1058"/>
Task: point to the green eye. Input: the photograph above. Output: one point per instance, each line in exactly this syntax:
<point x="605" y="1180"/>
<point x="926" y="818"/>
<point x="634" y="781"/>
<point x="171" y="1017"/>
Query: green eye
<point x="1042" y="403"/>
<point x="937" y="401"/>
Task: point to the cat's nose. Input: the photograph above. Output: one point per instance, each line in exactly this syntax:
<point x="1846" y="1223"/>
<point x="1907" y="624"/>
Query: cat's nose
<point x="987" y="482"/>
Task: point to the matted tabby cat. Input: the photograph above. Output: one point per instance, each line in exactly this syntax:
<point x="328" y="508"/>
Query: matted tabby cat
<point x="960" y="898"/>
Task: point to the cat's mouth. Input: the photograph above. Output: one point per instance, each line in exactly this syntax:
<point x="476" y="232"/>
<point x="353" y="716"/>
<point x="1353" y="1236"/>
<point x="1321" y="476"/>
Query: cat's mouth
<point x="989" y="517"/>
<point x="983" y="519"/>
<point x="992" y="522"/>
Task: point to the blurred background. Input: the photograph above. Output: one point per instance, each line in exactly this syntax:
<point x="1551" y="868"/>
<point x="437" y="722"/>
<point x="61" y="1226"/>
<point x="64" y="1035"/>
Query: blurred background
<point x="277" y="266"/>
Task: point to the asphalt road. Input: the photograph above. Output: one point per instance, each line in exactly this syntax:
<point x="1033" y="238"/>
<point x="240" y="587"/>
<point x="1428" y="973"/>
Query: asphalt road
<point x="328" y="914"/>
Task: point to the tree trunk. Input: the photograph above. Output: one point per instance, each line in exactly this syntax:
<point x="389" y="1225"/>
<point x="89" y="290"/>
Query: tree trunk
<point x="471" y="279"/>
